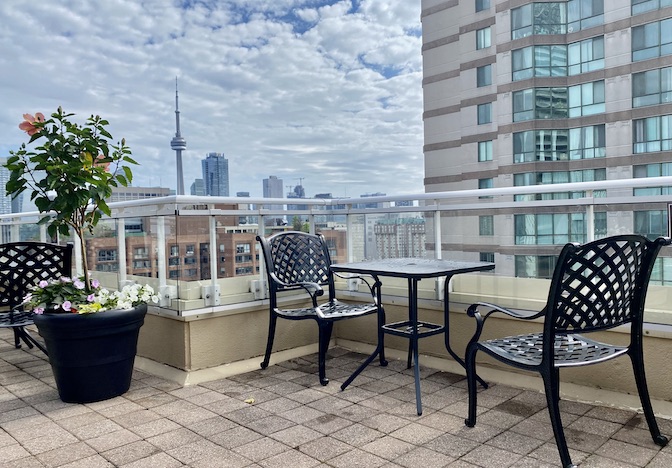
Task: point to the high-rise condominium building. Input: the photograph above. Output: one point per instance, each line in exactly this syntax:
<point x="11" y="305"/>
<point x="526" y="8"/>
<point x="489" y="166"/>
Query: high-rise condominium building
<point x="520" y="93"/>
<point x="216" y="175"/>
<point x="272" y="188"/>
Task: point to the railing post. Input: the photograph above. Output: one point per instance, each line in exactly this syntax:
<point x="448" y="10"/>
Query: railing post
<point x="43" y="233"/>
<point x="121" y="249"/>
<point x="590" y="218"/>
<point x="15" y="234"/>
<point x="214" y="261"/>
<point x="438" y="251"/>
<point x="161" y="250"/>
<point x="348" y="233"/>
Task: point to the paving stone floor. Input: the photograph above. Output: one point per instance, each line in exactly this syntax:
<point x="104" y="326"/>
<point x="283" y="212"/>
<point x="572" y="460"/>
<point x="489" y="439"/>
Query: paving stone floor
<point x="282" y="417"/>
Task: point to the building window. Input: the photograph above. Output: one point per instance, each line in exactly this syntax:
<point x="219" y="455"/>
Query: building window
<point x="539" y="103"/>
<point x="585" y="56"/>
<point x="541" y="61"/>
<point x="535" y="266"/>
<point x="483" y="38"/>
<point x="172" y="261"/>
<point x="484" y="151"/>
<point x="539" y="18"/>
<point x="587" y="142"/>
<point x="555" y="228"/>
<point x="484" y="76"/>
<point x="190" y="249"/>
<point x="140" y="252"/>
<point x="652" y="40"/>
<point x="652" y="87"/>
<point x="107" y="255"/>
<point x="641" y="6"/>
<point x="486" y="257"/>
<point x="484" y="112"/>
<point x="174" y="250"/>
<point x="486" y="225"/>
<point x="652" y="134"/>
<point x="485" y="184"/>
<point x="559" y="145"/>
<point x="540" y="145"/>
<point x="651" y="224"/>
<point x="558" y="177"/>
<point x="174" y="274"/>
<point x="558" y="60"/>
<point x="556" y="17"/>
<point x="190" y="261"/>
<point x="586" y="99"/>
<point x="242" y="248"/>
<point x="583" y="14"/>
<point x="482" y="5"/>
<point x="652" y="170"/>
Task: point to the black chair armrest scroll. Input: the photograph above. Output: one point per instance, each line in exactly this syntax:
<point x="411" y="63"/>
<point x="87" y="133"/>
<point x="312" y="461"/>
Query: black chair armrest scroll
<point x="473" y="311"/>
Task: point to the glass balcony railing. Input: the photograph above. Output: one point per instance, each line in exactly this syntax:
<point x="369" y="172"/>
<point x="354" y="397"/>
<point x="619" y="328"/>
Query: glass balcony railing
<point x="201" y="253"/>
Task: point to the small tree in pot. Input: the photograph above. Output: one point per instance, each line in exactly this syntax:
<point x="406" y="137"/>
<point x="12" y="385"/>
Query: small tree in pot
<point x="69" y="174"/>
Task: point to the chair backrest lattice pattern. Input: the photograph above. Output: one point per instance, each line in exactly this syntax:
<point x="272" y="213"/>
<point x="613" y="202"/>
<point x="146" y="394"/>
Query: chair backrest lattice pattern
<point x="24" y="264"/>
<point x="296" y="257"/>
<point x="601" y="284"/>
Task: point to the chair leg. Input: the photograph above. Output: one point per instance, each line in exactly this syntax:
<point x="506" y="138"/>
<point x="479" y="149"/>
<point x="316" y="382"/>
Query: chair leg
<point x="323" y="345"/>
<point x="637" y="359"/>
<point x="470" y="367"/>
<point x="17" y="337"/>
<point x="269" y="344"/>
<point x="381" y="338"/>
<point x="552" y="390"/>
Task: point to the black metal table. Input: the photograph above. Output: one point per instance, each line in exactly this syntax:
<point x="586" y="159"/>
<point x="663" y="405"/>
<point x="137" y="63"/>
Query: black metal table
<point x="414" y="270"/>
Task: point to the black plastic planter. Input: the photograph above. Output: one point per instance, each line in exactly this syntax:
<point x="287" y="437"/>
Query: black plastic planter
<point x="92" y="355"/>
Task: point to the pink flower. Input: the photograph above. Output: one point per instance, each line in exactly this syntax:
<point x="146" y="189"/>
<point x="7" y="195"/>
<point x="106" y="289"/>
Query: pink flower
<point x="91" y="297"/>
<point x="28" y="125"/>
<point x="67" y="305"/>
<point x="38" y="310"/>
<point x="106" y="165"/>
<point x="43" y="283"/>
<point x="95" y="283"/>
<point x="79" y="284"/>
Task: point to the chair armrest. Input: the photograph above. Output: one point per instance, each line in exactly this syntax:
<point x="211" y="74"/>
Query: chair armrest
<point x="313" y="289"/>
<point x="473" y="311"/>
<point x="365" y="279"/>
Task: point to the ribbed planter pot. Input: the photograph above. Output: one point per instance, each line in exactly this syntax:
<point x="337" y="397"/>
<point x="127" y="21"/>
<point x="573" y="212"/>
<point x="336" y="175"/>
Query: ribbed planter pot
<point x="92" y="355"/>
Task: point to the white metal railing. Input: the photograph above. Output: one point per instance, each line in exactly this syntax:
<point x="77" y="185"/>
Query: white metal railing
<point x="432" y="206"/>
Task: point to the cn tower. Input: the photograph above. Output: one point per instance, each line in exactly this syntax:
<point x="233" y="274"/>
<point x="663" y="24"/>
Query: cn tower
<point x="178" y="144"/>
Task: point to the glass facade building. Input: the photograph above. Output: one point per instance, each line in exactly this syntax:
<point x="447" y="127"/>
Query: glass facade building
<point x="538" y="93"/>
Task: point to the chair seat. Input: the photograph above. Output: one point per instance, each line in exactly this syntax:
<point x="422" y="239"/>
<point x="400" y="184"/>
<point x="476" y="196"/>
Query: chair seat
<point x="15" y="319"/>
<point x="330" y="311"/>
<point x="570" y="350"/>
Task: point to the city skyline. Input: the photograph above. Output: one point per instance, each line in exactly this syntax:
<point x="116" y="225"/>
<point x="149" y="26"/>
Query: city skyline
<point x="321" y="89"/>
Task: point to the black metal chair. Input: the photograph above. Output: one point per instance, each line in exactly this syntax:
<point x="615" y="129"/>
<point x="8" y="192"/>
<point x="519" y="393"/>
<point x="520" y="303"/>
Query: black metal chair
<point x="24" y="264"/>
<point x="295" y="261"/>
<point x="595" y="286"/>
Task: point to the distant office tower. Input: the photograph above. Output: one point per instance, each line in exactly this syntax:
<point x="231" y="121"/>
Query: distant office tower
<point x="273" y="189"/>
<point x="198" y="187"/>
<point x="216" y="175"/>
<point x="5" y="200"/>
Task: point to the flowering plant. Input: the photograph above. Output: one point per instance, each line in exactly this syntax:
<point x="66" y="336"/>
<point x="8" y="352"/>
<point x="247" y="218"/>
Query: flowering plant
<point x="68" y="175"/>
<point x="70" y="295"/>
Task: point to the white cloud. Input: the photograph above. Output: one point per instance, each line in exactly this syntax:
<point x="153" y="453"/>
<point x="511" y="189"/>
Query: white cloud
<point x="293" y="88"/>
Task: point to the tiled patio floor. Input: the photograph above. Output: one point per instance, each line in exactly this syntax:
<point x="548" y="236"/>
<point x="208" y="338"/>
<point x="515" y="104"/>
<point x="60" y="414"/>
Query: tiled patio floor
<point x="282" y="417"/>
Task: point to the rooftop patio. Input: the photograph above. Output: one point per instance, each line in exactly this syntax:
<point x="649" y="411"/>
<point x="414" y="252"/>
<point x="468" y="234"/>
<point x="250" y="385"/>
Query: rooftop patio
<point x="283" y="417"/>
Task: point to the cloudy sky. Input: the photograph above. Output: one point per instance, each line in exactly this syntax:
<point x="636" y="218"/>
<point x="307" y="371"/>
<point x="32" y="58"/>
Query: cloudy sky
<point x="327" y="91"/>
